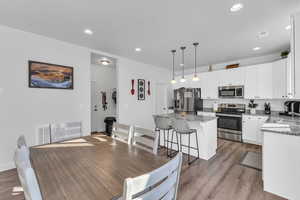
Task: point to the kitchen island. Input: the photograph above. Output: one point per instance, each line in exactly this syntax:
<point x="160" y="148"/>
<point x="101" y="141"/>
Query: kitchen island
<point x="281" y="160"/>
<point x="206" y="127"/>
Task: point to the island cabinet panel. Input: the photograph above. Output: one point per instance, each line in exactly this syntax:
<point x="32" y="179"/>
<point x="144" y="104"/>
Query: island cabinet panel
<point x="281" y="161"/>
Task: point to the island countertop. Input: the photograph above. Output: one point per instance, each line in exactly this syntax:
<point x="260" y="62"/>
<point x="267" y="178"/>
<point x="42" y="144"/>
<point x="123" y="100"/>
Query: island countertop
<point x="189" y="117"/>
<point x="282" y="125"/>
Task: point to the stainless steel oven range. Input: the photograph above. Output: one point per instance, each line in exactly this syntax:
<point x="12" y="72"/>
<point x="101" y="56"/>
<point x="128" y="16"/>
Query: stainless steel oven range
<point x="230" y="121"/>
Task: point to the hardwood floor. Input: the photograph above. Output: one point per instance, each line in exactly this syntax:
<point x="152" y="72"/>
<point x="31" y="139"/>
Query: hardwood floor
<point x="221" y="178"/>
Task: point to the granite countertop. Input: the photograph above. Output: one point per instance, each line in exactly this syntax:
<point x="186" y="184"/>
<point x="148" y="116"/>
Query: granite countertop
<point x="276" y="123"/>
<point x="189" y="117"/>
<point x="282" y="125"/>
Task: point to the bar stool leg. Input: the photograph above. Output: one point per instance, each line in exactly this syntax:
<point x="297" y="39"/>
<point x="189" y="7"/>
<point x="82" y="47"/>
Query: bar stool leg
<point x="177" y="142"/>
<point x="164" y="139"/>
<point x="157" y="130"/>
<point x="180" y="142"/>
<point x="189" y="147"/>
<point x="197" y="144"/>
<point x="171" y="149"/>
<point x="167" y="141"/>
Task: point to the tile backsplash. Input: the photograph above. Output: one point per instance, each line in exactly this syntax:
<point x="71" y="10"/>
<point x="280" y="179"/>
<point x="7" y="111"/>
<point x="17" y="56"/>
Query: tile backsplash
<point x="276" y="104"/>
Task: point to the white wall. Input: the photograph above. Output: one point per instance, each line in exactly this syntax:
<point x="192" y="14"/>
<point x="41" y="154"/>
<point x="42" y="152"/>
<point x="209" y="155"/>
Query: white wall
<point x="22" y="109"/>
<point x="104" y="78"/>
<point x="131" y="110"/>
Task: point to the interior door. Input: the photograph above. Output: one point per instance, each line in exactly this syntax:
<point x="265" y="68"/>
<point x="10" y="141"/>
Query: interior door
<point x="161" y="98"/>
<point x="95" y="107"/>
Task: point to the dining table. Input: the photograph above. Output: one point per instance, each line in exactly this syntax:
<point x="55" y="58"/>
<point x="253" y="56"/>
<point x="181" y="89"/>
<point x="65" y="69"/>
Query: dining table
<point x="89" y="168"/>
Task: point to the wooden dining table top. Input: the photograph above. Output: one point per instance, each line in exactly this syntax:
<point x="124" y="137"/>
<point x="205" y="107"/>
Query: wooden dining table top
<point x="89" y="168"/>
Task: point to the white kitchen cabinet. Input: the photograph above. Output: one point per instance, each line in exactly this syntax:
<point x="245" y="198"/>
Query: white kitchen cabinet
<point x="251" y="128"/>
<point x="258" y="81"/>
<point x="230" y="77"/>
<point x="250" y="82"/>
<point x="280" y="79"/>
<point x="295" y="55"/>
<point x="209" y="85"/>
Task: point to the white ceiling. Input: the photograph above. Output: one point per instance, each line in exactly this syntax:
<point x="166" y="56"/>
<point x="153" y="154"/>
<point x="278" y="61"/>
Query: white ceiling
<point x="157" y="26"/>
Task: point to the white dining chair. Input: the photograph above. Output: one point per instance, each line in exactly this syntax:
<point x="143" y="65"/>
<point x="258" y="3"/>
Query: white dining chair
<point x="22" y="156"/>
<point x="64" y="131"/>
<point x="21" y="141"/>
<point x="160" y="184"/>
<point x="122" y="132"/>
<point x="30" y="185"/>
<point x="145" y="139"/>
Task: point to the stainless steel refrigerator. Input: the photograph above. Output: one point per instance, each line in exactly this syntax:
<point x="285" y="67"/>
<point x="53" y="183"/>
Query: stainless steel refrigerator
<point x="188" y="100"/>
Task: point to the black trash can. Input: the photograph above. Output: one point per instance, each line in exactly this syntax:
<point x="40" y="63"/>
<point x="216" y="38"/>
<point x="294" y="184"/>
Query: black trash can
<point x="109" y="122"/>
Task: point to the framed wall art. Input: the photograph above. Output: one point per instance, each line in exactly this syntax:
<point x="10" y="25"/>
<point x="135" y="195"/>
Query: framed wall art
<point x="46" y="75"/>
<point x="141" y="89"/>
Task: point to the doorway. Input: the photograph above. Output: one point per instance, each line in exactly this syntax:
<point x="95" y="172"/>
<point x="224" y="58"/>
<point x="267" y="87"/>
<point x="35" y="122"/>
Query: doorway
<point x="103" y="91"/>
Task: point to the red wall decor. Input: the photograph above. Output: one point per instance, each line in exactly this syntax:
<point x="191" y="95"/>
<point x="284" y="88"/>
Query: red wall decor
<point x="132" y="87"/>
<point x="149" y="92"/>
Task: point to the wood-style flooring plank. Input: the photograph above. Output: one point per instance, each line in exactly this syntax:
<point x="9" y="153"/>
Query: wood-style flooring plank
<point x="221" y="178"/>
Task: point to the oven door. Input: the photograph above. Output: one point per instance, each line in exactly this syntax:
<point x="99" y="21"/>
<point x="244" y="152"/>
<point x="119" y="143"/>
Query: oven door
<point x="230" y="123"/>
<point x="227" y="92"/>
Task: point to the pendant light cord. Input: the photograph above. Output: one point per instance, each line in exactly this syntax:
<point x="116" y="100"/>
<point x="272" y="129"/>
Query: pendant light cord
<point x="182" y="49"/>
<point x="195" y="70"/>
<point x="173" y="53"/>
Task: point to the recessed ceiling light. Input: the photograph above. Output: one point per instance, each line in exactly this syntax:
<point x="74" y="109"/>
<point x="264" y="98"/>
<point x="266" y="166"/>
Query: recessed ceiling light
<point x="138" y="49"/>
<point x="256" y="48"/>
<point x="104" y="61"/>
<point x="236" y="7"/>
<point x="263" y="34"/>
<point x="88" y="31"/>
<point x="288" y="27"/>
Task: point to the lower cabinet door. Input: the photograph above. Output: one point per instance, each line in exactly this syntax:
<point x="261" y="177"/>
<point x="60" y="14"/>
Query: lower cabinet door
<point x="250" y="126"/>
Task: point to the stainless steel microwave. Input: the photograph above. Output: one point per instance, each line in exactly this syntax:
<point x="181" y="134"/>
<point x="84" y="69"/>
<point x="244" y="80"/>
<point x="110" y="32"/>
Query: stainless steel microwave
<point x="231" y="92"/>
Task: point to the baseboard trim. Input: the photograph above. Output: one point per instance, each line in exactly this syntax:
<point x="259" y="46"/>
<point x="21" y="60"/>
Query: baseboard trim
<point x="7" y="166"/>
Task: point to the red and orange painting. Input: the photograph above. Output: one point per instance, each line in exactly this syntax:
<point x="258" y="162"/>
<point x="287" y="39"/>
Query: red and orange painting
<point x="45" y="75"/>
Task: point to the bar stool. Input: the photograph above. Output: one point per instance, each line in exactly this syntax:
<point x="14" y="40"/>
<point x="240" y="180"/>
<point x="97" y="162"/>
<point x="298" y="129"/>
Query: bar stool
<point x="162" y="124"/>
<point x="181" y="127"/>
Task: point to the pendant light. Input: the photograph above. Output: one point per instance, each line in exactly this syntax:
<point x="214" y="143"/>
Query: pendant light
<point x="182" y="64"/>
<point x="195" y="77"/>
<point x="173" y="81"/>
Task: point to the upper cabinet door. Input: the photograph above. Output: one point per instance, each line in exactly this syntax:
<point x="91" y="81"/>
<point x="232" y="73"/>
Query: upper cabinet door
<point x="209" y="85"/>
<point x="296" y="55"/>
<point x="251" y="82"/>
<point x="230" y="77"/>
<point x="258" y="82"/>
<point x="280" y="79"/>
<point x="264" y="81"/>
